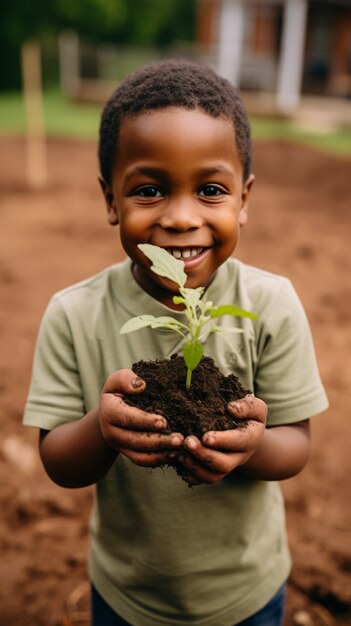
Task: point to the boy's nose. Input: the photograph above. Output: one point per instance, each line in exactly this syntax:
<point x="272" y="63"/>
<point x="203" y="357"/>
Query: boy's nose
<point x="180" y="216"/>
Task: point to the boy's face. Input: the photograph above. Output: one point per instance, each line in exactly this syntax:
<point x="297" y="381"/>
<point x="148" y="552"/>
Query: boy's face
<point x="178" y="184"/>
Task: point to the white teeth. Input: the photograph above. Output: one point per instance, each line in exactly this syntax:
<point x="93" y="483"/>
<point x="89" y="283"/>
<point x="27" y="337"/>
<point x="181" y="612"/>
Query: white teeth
<point x="176" y="253"/>
<point x="186" y="253"/>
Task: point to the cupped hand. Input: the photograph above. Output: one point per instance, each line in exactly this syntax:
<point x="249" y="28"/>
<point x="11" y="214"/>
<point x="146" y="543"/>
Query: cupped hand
<point x="220" y="452"/>
<point x="138" y="435"/>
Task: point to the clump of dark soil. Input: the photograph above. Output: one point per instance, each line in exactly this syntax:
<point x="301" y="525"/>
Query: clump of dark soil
<point x="191" y="411"/>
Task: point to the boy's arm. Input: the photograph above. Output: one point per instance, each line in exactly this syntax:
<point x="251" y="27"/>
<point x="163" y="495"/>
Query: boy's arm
<point x="79" y="453"/>
<point x="283" y="453"/>
<point x="75" y="454"/>
<point x="258" y="452"/>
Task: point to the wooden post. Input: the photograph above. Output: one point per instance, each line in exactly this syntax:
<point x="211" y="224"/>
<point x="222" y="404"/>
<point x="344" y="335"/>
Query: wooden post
<point x="291" y="55"/>
<point x="68" y="42"/>
<point x="36" y="158"/>
<point x="230" y="39"/>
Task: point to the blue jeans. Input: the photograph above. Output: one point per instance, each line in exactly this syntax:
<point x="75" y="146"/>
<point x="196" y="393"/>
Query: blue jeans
<point x="271" y="615"/>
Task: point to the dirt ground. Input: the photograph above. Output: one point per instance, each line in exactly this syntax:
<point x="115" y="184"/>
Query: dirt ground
<point x="300" y="226"/>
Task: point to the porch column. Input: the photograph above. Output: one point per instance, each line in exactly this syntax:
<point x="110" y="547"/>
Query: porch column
<point x="68" y="42"/>
<point x="230" y="39"/>
<point x="291" y="55"/>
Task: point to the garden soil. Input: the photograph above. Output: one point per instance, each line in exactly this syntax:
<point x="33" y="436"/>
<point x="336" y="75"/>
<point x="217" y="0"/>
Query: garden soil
<point x="300" y="226"/>
<point x="193" y="411"/>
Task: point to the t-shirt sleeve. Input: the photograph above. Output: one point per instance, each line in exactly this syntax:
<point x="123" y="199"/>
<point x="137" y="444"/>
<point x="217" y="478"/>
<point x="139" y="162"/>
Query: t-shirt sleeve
<point x="55" y="393"/>
<point x="287" y="376"/>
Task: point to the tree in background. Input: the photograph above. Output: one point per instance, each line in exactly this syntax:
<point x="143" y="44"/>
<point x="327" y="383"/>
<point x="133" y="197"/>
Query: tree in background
<point x="140" y="22"/>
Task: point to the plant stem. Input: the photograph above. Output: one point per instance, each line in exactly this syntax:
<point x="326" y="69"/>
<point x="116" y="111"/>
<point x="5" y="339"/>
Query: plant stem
<point x="188" y="379"/>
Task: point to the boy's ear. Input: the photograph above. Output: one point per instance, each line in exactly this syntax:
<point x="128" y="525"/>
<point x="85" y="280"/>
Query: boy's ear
<point x="245" y="200"/>
<point x="112" y="214"/>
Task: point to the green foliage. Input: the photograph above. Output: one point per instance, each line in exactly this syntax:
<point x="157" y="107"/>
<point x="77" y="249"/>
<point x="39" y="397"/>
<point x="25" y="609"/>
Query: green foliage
<point x="198" y="312"/>
<point x="139" y="22"/>
<point x="92" y="18"/>
<point x="159" y="21"/>
<point x="164" y="264"/>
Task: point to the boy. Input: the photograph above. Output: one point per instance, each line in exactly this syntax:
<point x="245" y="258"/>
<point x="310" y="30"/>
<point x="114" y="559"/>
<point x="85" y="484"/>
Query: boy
<point x="175" y="164"/>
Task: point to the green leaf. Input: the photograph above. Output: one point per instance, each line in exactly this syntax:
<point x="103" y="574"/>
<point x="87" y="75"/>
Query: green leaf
<point x="166" y="322"/>
<point x="192" y="296"/>
<point x="192" y="353"/>
<point x="231" y="309"/>
<point x="142" y="321"/>
<point x="136" y="323"/>
<point x="164" y="264"/>
<point x="178" y="300"/>
<point x="166" y="319"/>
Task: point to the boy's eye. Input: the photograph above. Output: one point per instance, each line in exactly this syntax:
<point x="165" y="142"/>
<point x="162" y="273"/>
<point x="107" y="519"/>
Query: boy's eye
<point x="148" y="191"/>
<point x="211" y="190"/>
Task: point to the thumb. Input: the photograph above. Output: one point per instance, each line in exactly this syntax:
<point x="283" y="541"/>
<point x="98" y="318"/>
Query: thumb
<point x="124" y="381"/>
<point x="249" y="408"/>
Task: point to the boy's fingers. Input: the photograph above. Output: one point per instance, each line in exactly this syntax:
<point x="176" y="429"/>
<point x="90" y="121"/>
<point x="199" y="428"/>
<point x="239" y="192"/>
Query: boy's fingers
<point x="237" y="439"/>
<point x="134" y="441"/>
<point x="151" y="459"/>
<point x="123" y="415"/>
<point x="148" y="442"/>
<point x="249" y="408"/>
<point x="201" y="460"/>
<point x="124" y="381"/>
<point x="217" y="459"/>
<point x="210" y="467"/>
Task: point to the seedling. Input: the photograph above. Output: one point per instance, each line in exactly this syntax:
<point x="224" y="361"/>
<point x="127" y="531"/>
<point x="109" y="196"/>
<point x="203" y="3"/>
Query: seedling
<point x="199" y="313"/>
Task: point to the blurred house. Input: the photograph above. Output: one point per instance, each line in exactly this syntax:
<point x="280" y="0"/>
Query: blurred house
<point x="283" y="49"/>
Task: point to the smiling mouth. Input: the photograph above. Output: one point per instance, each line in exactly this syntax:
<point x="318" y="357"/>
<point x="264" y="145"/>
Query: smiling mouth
<point x="185" y="253"/>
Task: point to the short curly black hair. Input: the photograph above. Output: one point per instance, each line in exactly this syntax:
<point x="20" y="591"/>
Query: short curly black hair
<point x="173" y="82"/>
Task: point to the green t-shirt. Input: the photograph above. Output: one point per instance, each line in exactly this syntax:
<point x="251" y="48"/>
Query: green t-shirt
<point x="163" y="554"/>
